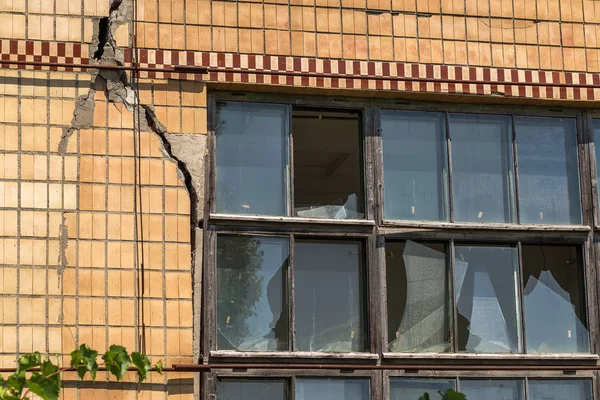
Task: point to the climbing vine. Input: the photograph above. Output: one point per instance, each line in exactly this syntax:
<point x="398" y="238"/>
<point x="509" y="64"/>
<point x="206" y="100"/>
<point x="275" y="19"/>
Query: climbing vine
<point x="37" y="376"/>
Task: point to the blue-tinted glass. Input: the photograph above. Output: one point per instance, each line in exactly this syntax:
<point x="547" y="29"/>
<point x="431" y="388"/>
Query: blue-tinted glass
<point x="548" y="170"/>
<point x="413" y="389"/>
<point x="486" y="299"/>
<point x="560" y="389"/>
<point x="492" y="389"/>
<point x="329" y="301"/>
<point x="248" y="389"/>
<point x="414" y="165"/>
<point x="597" y="146"/>
<point x="251" y="293"/>
<point x="482" y="165"/>
<point x="251" y="158"/>
<point x="332" y="389"/>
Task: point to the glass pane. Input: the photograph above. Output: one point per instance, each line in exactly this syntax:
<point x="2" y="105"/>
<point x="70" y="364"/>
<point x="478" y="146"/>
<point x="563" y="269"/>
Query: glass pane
<point x="327" y="164"/>
<point x="332" y="389"/>
<point x="329" y="296"/>
<point x="413" y="389"/>
<point x="486" y="299"/>
<point x="251" y="158"/>
<point x="492" y="389"/>
<point x="418" y="306"/>
<point x="415" y="165"/>
<point x="597" y="146"/>
<point x="548" y="170"/>
<point x="555" y="312"/>
<point x="482" y="165"/>
<point x="247" y="389"/>
<point x="560" y="389"/>
<point x="251" y="293"/>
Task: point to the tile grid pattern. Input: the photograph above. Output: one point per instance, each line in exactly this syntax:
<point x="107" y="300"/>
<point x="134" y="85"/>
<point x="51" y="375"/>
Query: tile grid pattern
<point x="67" y="245"/>
<point x="327" y="73"/>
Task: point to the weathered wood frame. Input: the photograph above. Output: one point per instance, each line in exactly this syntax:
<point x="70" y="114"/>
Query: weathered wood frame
<point x="374" y="229"/>
<point x="523" y="375"/>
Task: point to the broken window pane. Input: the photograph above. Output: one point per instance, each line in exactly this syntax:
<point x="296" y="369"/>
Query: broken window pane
<point x="251" y="158"/>
<point x="597" y="147"/>
<point x="332" y="389"/>
<point x="548" y="170"/>
<point x="249" y="389"/>
<point x="418" y="297"/>
<point x="486" y="299"/>
<point x="327" y="164"/>
<point x="492" y="389"/>
<point x="415" y="165"/>
<point x="251" y="293"/>
<point x="413" y="389"/>
<point x="329" y="282"/>
<point x="560" y="389"/>
<point x="555" y="312"/>
<point x="482" y="165"/>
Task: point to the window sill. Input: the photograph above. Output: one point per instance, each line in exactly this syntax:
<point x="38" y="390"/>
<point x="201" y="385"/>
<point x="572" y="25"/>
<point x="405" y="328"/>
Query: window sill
<point x="234" y="218"/>
<point x="486" y="226"/>
<point x="292" y="355"/>
<point x="563" y="357"/>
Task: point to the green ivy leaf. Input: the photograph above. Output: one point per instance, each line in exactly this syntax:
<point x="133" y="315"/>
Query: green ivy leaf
<point x="50" y="371"/>
<point x="159" y="366"/>
<point x="424" y="397"/>
<point x="84" y="359"/>
<point x="117" y="361"/>
<point x="15" y="383"/>
<point x="29" y="361"/>
<point x="6" y="395"/>
<point x="142" y="364"/>
<point x="46" y="388"/>
<point x="453" y="395"/>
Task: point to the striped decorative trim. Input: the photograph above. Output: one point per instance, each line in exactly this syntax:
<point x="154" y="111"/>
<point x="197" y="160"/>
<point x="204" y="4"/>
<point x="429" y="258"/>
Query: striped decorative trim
<point x="322" y="73"/>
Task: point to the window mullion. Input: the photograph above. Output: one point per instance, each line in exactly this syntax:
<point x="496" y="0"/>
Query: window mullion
<point x="454" y="331"/>
<point x="290" y="163"/>
<point x="292" y="388"/>
<point x="449" y="173"/>
<point x="526" y="385"/>
<point x="522" y="332"/>
<point x="515" y="170"/>
<point x="292" y="296"/>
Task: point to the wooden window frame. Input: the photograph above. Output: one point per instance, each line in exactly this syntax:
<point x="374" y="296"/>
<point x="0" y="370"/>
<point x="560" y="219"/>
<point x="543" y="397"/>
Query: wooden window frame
<point x="291" y="375"/>
<point x="374" y="230"/>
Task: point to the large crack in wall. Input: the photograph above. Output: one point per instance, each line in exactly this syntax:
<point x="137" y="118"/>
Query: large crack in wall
<point x="188" y="151"/>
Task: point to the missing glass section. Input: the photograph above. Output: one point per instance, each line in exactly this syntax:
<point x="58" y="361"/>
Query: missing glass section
<point x="418" y="297"/>
<point x="252" y="293"/>
<point x="555" y="316"/>
<point x="327" y="164"/>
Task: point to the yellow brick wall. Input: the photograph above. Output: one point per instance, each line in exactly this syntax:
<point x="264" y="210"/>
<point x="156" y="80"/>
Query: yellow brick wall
<point x="536" y="34"/>
<point x="68" y="270"/>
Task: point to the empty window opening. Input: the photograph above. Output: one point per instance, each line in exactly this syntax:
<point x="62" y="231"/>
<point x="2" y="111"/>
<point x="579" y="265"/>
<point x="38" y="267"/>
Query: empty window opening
<point x="327" y="164"/>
